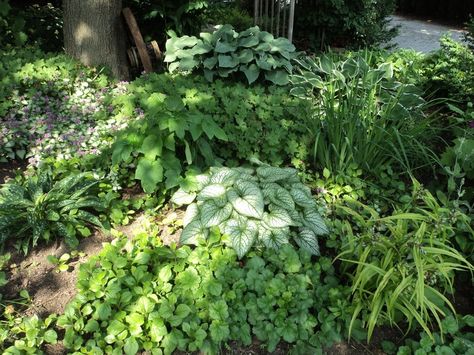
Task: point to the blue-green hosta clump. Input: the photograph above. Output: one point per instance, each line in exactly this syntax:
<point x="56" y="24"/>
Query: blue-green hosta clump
<point x="268" y="206"/>
<point x="253" y="53"/>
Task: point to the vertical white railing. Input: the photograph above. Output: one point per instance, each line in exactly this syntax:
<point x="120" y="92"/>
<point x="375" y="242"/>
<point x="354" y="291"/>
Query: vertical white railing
<point x="275" y="16"/>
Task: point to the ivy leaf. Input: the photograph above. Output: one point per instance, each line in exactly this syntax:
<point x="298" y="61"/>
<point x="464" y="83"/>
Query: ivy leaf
<point x="193" y="232"/>
<point x="242" y="233"/>
<point x="150" y="173"/>
<point x="247" y="199"/>
<point x="213" y="215"/>
<point x="307" y="240"/>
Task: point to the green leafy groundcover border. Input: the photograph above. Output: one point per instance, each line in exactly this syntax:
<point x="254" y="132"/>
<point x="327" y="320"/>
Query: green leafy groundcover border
<point x="136" y="295"/>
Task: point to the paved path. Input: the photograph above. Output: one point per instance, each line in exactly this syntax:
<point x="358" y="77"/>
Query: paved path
<point x="422" y="36"/>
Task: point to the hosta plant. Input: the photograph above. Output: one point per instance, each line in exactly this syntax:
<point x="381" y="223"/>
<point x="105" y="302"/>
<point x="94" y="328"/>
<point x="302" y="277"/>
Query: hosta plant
<point x="253" y="53"/>
<point x="41" y="209"/>
<point x="267" y="206"/>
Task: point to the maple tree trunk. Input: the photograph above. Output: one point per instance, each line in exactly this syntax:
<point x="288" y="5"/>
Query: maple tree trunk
<point x="94" y="34"/>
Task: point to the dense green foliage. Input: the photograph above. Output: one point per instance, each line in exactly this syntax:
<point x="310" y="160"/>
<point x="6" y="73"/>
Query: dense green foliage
<point x="41" y="209"/>
<point x="185" y="119"/>
<point x="11" y="26"/>
<point x="450" y="71"/>
<point x="404" y="262"/>
<point x="266" y="208"/>
<point x="362" y="116"/>
<point x="51" y="106"/>
<point x="252" y="53"/>
<point x="139" y="299"/>
<point x="343" y="23"/>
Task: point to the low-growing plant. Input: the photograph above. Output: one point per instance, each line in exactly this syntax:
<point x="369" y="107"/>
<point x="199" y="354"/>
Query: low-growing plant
<point x="176" y="120"/>
<point x="449" y="72"/>
<point x="253" y="52"/>
<point x="402" y="264"/>
<point x="42" y="209"/>
<point x="362" y="116"/>
<point x="457" y="339"/>
<point x="135" y="296"/>
<point x="50" y="106"/>
<point x="269" y="207"/>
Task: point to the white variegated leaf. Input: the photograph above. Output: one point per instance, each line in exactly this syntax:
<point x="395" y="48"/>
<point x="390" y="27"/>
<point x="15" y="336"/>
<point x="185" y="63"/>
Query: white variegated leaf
<point x="213" y="215"/>
<point x="202" y="181"/>
<point x="212" y="191"/>
<point x="246" y="198"/>
<point x="273" y="238"/>
<point x="182" y="197"/>
<point x="273" y="174"/>
<point x="302" y="197"/>
<point x="307" y="240"/>
<point x="313" y="221"/>
<point x="193" y="232"/>
<point x="192" y="212"/>
<point x="277" y="218"/>
<point x="224" y="176"/>
<point x="242" y="233"/>
<point x="282" y="198"/>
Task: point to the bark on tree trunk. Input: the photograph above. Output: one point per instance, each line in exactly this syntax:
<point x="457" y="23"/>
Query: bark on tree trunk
<point x="94" y="34"/>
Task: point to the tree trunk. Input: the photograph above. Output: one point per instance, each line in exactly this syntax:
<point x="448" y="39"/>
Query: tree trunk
<point x="94" y="34"/>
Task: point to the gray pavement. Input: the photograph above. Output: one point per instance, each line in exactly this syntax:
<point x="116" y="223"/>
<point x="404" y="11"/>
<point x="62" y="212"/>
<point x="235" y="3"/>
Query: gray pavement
<point x="422" y="36"/>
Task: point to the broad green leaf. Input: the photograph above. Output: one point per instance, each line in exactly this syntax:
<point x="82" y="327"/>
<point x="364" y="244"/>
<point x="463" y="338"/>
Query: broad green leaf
<point x="306" y="239"/>
<point x="242" y="233"/>
<point x="278" y="77"/>
<point x="251" y="72"/>
<point x="152" y="147"/>
<point x="224" y="47"/>
<point x="213" y="215"/>
<point x="150" y="173"/>
<point x="223" y="176"/>
<point x="227" y="61"/>
<point x="131" y="346"/>
<point x="247" y="199"/>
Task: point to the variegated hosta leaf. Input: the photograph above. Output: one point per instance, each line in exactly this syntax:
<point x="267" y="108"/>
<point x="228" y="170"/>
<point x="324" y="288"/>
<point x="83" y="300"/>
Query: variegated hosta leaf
<point x="282" y="198"/>
<point x="212" y="191"/>
<point x="277" y="218"/>
<point x="182" y="197"/>
<point x="245" y="171"/>
<point x="213" y="215"/>
<point x="193" y="232"/>
<point x="313" y="221"/>
<point x="242" y="233"/>
<point x="224" y="176"/>
<point x="273" y="238"/>
<point x="192" y="212"/>
<point x="273" y="174"/>
<point x="247" y="199"/>
<point x="302" y="197"/>
<point x="307" y="240"/>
